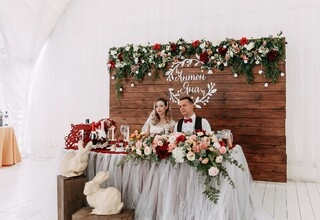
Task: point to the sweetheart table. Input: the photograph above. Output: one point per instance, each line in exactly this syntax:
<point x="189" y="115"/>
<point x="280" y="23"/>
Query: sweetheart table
<point x="9" y="149"/>
<point x="165" y="191"/>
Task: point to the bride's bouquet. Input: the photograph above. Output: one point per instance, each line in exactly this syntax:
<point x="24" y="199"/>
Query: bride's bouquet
<point x="202" y="150"/>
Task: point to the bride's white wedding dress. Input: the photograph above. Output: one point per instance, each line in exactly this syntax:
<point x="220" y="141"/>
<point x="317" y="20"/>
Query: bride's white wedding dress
<point x="159" y="128"/>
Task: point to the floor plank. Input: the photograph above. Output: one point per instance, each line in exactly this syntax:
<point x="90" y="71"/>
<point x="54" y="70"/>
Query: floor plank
<point x="280" y="202"/>
<point x="304" y="202"/>
<point x="29" y="192"/>
<point x="292" y="202"/>
<point x="314" y="195"/>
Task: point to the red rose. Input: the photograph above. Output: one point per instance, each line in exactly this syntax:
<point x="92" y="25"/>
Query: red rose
<point x="222" y="143"/>
<point x="204" y="57"/>
<point x="196" y="43"/>
<point x="156" y="47"/>
<point x="243" y="41"/>
<point x="173" y="47"/>
<point x="272" y="55"/>
<point x="181" y="138"/>
<point x="120" y="57"/>
<point x="112" y="64"/>
<point x="162" y="151"/>
<point x="222" y="51"/>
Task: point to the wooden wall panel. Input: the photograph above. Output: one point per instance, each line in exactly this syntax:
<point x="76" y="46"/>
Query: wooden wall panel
<point x="255" y="114"/>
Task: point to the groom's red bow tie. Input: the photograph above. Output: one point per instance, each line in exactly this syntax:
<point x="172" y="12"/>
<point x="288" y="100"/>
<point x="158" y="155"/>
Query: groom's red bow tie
<point x="187" y="120"/>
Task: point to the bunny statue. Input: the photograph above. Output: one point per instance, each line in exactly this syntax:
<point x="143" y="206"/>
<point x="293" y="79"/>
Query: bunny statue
<point x="105" y="201"/>
<point x="74" y="163"/>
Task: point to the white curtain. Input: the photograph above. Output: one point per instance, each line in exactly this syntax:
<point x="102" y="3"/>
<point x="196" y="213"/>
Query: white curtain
<point x="59" y="70"/>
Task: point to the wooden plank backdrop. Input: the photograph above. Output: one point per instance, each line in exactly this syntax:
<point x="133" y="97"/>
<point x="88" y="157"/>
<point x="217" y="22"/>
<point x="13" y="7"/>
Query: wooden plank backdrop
<point x="255" y="114"/>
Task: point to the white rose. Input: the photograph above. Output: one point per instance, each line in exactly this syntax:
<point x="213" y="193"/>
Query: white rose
<point x="113" y="52"/>
<point x="250" y="46"/>
<point x="138" y="151"/>
<point x="191" y="156"/>
<point x="147" y="150"/>
<point x="200" y="133"/>
<point x="219" y="159"/>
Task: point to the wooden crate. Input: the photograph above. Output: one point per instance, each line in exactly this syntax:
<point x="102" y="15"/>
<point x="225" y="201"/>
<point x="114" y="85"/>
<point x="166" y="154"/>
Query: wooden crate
<point x="70" y="196"/>
<point x="84" y="214"/>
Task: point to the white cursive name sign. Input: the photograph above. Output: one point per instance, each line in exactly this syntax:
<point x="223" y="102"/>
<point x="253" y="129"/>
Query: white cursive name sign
<point x="175" y="74"/>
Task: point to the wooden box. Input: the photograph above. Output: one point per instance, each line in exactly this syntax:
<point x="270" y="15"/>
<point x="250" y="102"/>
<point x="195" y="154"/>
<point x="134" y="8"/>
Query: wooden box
<point x="84" y="214"/>
<point x="70" y="196"/>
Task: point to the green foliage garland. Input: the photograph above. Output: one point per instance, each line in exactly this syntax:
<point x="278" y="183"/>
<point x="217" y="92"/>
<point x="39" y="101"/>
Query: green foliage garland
<point x="136" y="61"/>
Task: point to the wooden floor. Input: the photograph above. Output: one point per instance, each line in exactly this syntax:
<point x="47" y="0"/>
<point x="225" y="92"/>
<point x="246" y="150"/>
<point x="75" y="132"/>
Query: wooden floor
<point x="28" y="191"/>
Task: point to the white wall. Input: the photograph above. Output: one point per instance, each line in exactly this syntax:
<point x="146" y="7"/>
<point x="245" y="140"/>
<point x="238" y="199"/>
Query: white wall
<point x="71" y="83"/>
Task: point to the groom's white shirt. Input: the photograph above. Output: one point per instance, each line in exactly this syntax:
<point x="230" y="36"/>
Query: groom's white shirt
<point x="189" y="126"/>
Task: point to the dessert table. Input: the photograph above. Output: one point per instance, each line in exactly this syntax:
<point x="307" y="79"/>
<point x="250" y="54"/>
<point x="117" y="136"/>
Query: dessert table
<point x="9" y="150"/>
<point x="166" y="191"/>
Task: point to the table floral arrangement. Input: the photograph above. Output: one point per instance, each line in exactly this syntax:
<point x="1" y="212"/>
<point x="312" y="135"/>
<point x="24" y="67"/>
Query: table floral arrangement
<point x="201" y="150"/>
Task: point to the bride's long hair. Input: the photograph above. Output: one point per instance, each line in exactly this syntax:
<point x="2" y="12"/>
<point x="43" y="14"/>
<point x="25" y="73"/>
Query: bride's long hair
<point x="155" y="119"/>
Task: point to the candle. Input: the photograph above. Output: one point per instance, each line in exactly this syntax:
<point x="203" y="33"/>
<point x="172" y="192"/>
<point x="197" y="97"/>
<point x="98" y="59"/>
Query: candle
<point x="112" y="133"/>
<point x="93" y="127"/>
<point x="102" y="125"/>
<point x="128" y="134"/>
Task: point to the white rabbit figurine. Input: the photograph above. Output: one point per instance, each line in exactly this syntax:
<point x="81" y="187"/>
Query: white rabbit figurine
<point x="104" y="201"/>
<point x="73" y="164"/>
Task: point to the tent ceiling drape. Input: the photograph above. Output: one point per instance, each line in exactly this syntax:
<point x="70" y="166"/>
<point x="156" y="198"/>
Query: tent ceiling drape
<point x="53" y="60"/>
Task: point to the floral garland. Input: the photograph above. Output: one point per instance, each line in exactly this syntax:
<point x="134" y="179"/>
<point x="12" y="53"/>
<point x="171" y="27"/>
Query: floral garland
<point x="203" y="151"/>
<point x="241" y="55"/>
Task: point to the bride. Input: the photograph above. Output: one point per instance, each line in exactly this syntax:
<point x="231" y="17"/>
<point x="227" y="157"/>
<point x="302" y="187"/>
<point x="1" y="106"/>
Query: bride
<point x="160" y="119"/>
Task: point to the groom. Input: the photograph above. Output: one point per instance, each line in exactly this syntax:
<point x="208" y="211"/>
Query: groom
<point x="190" y="121"/>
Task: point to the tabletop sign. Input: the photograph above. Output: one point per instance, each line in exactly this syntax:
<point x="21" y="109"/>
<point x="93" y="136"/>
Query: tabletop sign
<point x="188" y="88"/>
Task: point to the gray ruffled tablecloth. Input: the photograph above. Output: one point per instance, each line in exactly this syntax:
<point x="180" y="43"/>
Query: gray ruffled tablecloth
<point x="164" y="192"/>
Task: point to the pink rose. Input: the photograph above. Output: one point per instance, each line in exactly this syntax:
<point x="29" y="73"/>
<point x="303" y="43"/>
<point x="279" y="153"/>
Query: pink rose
<point x="205" y="160"/>
<point x="171" y="147"/>
<point x="196" y="148"/>
<point x="193" y="137"/>
<point x="204" y="145"/>
<point x="223" y="150"/>
<point x="139" y="144"/>
<point x="213" y="171"/>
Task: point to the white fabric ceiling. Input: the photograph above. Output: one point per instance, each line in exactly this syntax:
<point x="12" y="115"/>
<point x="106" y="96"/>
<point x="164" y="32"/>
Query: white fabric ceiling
<point x="28" y="25"/>
<point x="53" y="55"/>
